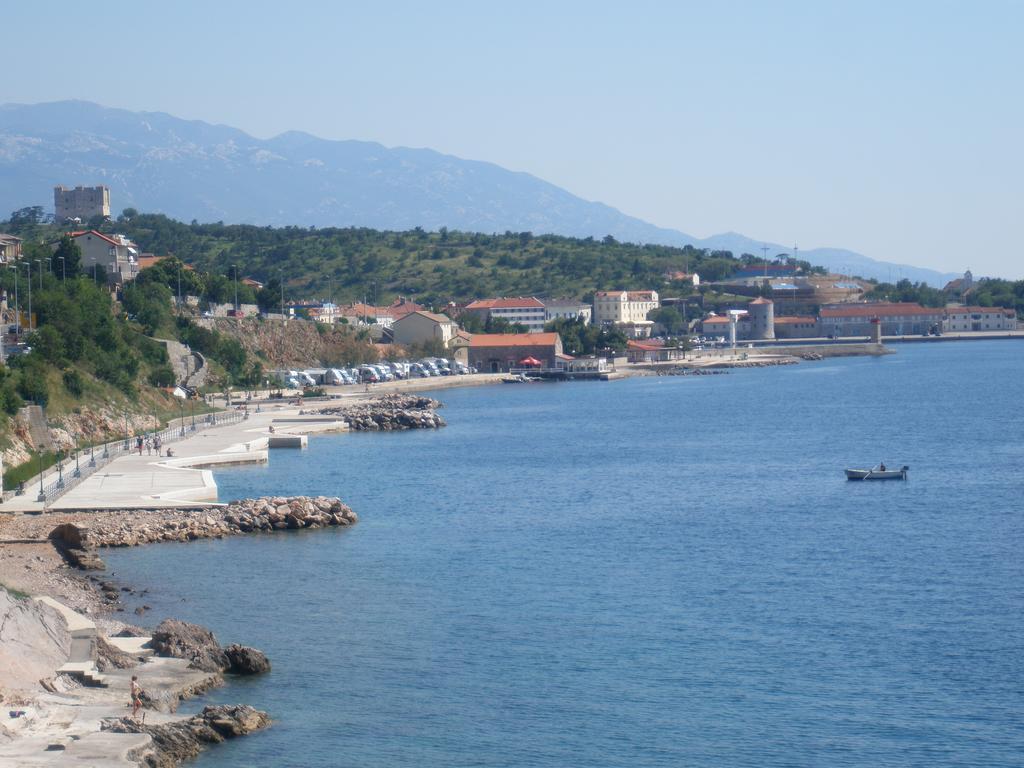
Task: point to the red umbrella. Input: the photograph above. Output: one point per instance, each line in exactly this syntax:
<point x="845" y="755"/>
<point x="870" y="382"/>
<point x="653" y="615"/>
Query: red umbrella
<point x="532" y="361"/>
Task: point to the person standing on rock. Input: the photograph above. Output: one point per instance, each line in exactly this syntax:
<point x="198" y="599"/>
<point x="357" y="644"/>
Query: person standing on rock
<point x="137" y="698"/>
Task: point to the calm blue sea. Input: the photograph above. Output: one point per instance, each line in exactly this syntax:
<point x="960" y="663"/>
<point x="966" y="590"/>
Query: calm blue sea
<point x="655" y="572"/>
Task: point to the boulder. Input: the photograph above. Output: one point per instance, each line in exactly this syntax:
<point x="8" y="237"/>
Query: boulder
<point x="246" y="661"/>
<point x="182" y="640"/>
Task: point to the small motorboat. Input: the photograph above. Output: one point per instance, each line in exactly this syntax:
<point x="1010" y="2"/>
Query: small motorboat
<point x="878" y="473"/>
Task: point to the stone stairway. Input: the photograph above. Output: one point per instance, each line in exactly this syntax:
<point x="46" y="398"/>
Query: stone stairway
<point x="86" y="672"/>
<point x="35" y="418"/>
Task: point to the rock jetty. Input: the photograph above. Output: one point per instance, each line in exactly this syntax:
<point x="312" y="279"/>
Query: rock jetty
<point x="78" y="540"/>
<point x="182" y="640"/>
<point x="389" y="413"/>
<point x="176" y="742"/>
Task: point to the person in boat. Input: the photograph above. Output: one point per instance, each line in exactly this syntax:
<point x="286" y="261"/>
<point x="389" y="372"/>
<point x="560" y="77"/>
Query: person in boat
<point x="881" y="466"/>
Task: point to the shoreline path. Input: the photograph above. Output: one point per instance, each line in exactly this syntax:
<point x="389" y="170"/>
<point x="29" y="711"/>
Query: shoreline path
<point x="184" y="480"/>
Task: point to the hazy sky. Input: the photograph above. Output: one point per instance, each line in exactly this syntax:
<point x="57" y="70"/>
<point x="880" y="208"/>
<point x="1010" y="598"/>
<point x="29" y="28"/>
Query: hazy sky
<point x="891" y="128"/>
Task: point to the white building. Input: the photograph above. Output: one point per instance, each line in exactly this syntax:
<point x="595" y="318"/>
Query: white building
<point x="526" y="311"/>
<point x="118" y="255"/>
<point x="567" y="309"/>
<point x="628" y="309"/>
<point x="421" y="327"/>
<point x="979" y="319"/>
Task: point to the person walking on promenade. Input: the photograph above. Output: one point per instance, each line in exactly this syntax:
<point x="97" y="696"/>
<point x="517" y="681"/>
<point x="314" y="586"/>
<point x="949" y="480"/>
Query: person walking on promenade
<point x="136" y="691"/>
<point x="138" y="444"/>
<point x="156" y="444"/>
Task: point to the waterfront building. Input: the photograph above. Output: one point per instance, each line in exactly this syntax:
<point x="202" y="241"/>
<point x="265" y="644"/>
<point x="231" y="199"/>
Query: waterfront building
<point x="761" y="312"/>
<point x="717" y="326"/>
<point x="500" y="352"/>
<point x="648" y="351"/>
<point x="82" y="203"/>
<point x="897" y="319"/>
<point x="421" y="327"/>
<point x="116" y="254"/>
<point x="567" y="309"/>
<point x="10" y="248"/>
<point x="526" y="311"/>
<point x="797" y="327"/>
<point x="626" y="309"/>
<point x="979" y="319"/>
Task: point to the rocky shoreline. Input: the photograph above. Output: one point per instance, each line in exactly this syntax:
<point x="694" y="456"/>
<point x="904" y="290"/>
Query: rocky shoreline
<point x="49" y="544"/>
<point x="389" y="413"/>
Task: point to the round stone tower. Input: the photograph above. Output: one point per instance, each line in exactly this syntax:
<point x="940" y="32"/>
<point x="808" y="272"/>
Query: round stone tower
<point x="762" y="318"/>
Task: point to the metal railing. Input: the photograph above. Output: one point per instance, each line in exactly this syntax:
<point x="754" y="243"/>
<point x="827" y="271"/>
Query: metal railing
<point x="73" y="469"/>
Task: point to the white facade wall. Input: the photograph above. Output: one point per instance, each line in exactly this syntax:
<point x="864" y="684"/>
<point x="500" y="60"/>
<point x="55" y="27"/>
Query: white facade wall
<point x="532" y="317"/>
<point x="979" y="319"/>
<point x="567" y="311"/>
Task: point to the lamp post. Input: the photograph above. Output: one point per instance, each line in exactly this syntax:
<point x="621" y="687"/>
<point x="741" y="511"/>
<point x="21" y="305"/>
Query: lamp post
<point x="60" y="468"/>
<point x="181" y="416"/>
<point x="192" y="407"/>
<point x="179" y="287"/>
<point x="282" y="293"/>
<point x="78" y="465"/>
<point x="127" y="443"/>
<point x="236" y="287"/>
<point x="42" y="495"/>
<point x="28" y="266"/>
<point x="92" y="455"/>
<point x="17" y="309"/>
<point x="40" y="263"/>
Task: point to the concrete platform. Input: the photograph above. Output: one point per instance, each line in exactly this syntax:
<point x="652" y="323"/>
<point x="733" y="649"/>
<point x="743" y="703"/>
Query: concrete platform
<point x="182" y="480"/>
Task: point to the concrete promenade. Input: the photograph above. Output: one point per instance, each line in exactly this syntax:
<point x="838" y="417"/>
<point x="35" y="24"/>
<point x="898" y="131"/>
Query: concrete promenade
<point x="183" y="479"/>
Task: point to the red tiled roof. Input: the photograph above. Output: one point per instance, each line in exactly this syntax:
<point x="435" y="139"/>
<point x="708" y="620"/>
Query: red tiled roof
<point x="716" y="319"/>
<point x="530" y="302"/>
<point x="430" y="315"/>
<point x="514" y="340"/>
<point x="100" y="235"/>
<point x="973" y="310"/>
<point x="795" y="319"/>
<point x="878" y="310"/>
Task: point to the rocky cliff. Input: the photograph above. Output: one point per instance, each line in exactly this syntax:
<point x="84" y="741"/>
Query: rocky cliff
<point x="295" y="343"/>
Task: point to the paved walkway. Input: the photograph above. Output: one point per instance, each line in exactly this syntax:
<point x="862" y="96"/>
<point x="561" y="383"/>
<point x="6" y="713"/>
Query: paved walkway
<point x="183" y="479"/>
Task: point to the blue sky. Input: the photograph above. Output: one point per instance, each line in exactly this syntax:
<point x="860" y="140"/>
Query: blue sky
<point x="891" y="128"/>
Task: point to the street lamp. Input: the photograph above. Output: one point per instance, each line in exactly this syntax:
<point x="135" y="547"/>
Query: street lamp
<point x="127" y="444"/>
<point x="60" y="468"/>
<point x="42" y="494"/>
<point x="40" y="263"/>
<point x="17" y="309"/>
<point x="78" y="454"/>
<point x="236" y="287"/>
<point x="281" y="271"/>
<point x="192" y="406"/>
<point x="28" y="266"/>
<point x="181" y="416"/>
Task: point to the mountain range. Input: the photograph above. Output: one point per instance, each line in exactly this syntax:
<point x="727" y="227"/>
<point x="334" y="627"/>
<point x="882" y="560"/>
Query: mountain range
<point x="190" y="169"/>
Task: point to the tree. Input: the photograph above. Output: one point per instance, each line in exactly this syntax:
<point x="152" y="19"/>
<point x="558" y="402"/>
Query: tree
<point x="67" y="259"/>
<point x="669" y="318"/>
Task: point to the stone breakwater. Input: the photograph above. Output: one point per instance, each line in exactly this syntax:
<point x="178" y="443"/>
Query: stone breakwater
<point x="176" y="742"/>
<point x="389" y="413"/>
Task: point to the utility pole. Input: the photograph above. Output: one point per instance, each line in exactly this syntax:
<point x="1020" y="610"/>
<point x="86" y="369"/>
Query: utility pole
<point x="281" y="272"/>
<point x="764" y="250"/>
<point x="28" y="266"/>
<point x="236" y="287"/>
<point x="37" y="261"/>
<point x="179" y="287"/>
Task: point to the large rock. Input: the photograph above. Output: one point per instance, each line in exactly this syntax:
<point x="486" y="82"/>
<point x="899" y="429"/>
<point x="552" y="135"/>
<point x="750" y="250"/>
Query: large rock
<point x="176" y="742"/>
<point x="246" y="661"/>
<point x="34" y="641"/>
<point x="182" y="640"/>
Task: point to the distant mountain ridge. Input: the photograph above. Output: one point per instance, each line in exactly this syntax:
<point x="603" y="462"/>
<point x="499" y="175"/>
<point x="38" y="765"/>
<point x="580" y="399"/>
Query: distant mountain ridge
<point x="189" y="169"/>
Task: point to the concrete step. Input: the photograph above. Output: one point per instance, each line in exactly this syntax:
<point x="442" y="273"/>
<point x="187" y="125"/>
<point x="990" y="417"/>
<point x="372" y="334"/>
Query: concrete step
<point x="132" y="645"/>
<point x="86" y="672"/>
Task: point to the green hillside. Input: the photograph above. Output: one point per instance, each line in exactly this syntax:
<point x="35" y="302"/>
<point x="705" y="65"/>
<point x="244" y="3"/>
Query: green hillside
<point x="353" y="264"/>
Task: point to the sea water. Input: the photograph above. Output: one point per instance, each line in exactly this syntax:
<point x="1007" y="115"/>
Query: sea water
<point x="665" y="571"/>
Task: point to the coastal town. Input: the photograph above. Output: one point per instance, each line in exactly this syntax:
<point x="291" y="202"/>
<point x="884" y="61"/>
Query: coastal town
<point x="150" y="479"/>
